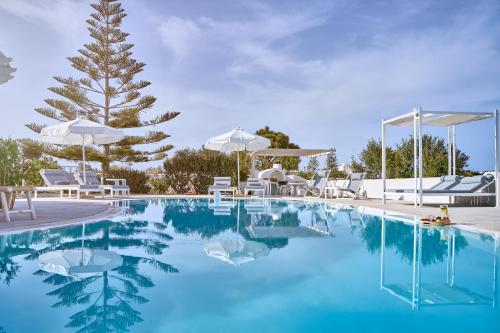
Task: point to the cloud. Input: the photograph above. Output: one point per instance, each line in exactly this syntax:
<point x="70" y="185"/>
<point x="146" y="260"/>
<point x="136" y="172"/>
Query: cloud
<point x="59" y="15"/>
<point x="178" y="34"/>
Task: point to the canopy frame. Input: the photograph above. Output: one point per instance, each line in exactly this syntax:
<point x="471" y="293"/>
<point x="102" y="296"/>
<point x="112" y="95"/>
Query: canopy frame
<point x="450" y="119"/>
<point x="283" y="152"/>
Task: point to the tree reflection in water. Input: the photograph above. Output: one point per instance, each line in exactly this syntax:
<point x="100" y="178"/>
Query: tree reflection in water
<point x="399" y="236"/>
<point x="109" y="297"/>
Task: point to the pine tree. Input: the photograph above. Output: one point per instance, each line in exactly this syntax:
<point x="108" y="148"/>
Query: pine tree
<point x="107" y="93"/>
<point x="312" y="165"/>
<point x="331" y="160"/>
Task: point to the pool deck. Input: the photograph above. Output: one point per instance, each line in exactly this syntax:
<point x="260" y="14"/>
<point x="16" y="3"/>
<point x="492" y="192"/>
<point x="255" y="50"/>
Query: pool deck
<point x="58" y="212"/>
<point x="53" y="212"/>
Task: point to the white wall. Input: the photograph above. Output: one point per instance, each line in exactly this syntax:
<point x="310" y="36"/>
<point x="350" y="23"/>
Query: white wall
<point x="373" y="188"/>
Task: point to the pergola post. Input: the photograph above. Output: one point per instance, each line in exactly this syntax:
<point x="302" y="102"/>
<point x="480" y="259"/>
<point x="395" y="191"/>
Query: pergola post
<point x="454" y="145"/>
<point x="420" y="158"/>
<point x="383" y="163"/>
<point x="449" y="151"/>
<point x="497" y="162"/>
<point x="415" y="142"/>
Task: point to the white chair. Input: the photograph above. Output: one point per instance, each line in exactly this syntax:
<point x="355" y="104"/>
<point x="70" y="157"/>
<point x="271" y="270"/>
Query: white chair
<point x="119" y="186"/>
<point x="221" y="184"/>
<point x="254" y="185"/>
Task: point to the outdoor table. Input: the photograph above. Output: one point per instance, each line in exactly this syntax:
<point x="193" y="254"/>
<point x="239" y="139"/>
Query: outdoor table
<point x="330" y="191"/>
<point x="7" y="195"/>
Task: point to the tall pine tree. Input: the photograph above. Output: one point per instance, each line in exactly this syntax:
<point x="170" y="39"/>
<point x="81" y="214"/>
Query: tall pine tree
<point x="107" y="93"/>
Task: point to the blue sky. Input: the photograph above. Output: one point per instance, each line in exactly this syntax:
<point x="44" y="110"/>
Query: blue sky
<point x="324" y="72"/>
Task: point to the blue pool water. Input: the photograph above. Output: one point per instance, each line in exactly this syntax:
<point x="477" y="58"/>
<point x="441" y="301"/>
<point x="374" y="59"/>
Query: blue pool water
<point x="189" y="265"/>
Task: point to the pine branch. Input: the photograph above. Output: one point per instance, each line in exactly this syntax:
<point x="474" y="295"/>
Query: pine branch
<point x="149" y="138"/>
<point x="161" y="119"/>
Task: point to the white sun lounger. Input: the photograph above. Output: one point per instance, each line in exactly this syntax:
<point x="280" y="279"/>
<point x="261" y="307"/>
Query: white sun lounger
<point x="57" y="180"/>
<point x="119" y="187"/>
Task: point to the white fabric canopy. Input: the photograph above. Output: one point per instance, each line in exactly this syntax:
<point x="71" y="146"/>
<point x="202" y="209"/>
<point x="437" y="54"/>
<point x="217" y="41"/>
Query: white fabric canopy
<point x="237" y="140"/>
<point x="5" y="69"/>
<point x="81" y="132"/>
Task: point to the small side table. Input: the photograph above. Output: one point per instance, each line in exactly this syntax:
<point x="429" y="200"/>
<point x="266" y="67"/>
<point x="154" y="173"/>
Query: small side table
<point x="330" y="191"/>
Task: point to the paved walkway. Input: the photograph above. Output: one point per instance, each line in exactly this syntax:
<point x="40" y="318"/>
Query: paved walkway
<point x="484" y="218"/>
<point x="58" y="212"/>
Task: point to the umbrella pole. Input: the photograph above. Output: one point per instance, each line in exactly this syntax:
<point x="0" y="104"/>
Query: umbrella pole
<point x="238" y="163"/>
<point x="83" y="154"/>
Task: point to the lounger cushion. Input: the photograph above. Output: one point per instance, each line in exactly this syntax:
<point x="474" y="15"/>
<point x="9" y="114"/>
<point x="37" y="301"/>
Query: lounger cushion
<point x="470" y="184"/>
<point x="445" y="183"/>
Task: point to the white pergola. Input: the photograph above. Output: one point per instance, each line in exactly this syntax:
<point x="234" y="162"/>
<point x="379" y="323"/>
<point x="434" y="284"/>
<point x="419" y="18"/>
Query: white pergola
<point x="450" y="119"/>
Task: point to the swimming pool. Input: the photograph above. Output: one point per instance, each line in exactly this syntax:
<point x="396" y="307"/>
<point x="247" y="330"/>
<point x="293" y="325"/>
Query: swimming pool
<point x="190" y="265"/>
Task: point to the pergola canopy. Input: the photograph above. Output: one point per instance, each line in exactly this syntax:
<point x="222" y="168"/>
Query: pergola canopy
<point x="293" y="152"/>
<point x="440" y="118"/>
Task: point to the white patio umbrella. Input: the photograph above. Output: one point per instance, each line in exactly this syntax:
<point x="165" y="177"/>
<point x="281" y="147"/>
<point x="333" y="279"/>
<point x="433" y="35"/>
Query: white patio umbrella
<point x="5" y="69"/>
<point x="81" y="132"/>
<point x="237" y="140"/>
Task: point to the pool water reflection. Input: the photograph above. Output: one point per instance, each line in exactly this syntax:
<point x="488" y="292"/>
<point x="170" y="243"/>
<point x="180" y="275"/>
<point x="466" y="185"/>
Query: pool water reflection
<point x="193" y="265"/>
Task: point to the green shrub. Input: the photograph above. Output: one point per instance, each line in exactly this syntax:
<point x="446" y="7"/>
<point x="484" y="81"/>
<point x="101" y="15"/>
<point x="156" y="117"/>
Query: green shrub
<point x="158" y="185"/>
<point x="10" y="162"/>
<point x="31" y="170"/>
<point x="192" y="171"/>
<point x="136" y="179"/>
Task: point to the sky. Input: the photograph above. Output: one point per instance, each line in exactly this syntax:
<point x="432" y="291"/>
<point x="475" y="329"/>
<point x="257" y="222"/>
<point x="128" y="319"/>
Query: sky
<point x="323" y="72"/>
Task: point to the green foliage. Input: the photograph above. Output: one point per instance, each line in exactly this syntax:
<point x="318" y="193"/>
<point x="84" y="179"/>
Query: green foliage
<point x="20" y="160"/>
<point x="332" y="165"/>
<point x="400" y="159"/>
<point x="192" y="171"/>
<point x="158" y="185"/>
<point x="305" y="174"/>
<point x="137" y="180"/>
<point x="106" y="92"/>
<point x="31" y="170"/>
<point x="10" y="163"/>
<point x="278" y="140"/>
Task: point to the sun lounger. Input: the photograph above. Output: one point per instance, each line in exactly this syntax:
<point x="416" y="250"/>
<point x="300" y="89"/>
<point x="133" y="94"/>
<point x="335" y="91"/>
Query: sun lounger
<point x="60" y="181"/>
<point x="253" y="186"/>
<point x="221" y="184"/>
<point x="119" y="187"/>
<point x="354" y="186"/>
<point x="317" y="183"/>
<point x="466" y="187"/>
<point x="7" y="194"/>
<point x="445" y="183"/>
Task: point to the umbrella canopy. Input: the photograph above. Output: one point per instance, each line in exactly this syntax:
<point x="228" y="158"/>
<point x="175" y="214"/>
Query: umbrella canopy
<point x="237" y="140"/>
<point x="81" y="132"/>
<point x="5" y="69"/>
<point x="79" y="262"/>
<point x="236" y="251"/>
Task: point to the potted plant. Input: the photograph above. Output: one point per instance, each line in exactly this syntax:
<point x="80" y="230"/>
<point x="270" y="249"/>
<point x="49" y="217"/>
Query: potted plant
<point x="10" y="174"/>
